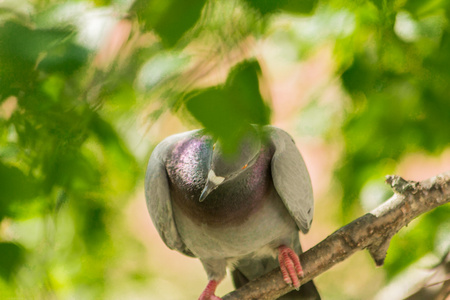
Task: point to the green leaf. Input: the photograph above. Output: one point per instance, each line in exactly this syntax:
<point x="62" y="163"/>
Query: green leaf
<point x="300" y="6"/>
<point x="64" y="58"/>
<point x="293" y="6"/>
<point x="11" y="256"/>
<point x="243" y="88"/>
<point x="360" y="76"/>
<point x="412" y="243"/>
<point x="118" y="159"/>
<point x="160" y="68"/>
<point x="215" y="110"/>
<point x="421" y="8"/>
<point x="20" y="49"/>
<point x="264" y="6"/>
<point x="227" y="110"/>
<point x="170" y="19"/>
<point x="16" y="186"/>
<point x="71" y="170"/>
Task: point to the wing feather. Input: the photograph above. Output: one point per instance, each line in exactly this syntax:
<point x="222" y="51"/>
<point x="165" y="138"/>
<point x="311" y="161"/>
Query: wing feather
<point x="157" y="194"/>
<point x="291" y="178"/>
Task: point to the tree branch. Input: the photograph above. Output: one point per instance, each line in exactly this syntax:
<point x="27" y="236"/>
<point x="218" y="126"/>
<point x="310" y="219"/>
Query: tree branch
<point x="372" y="231"/>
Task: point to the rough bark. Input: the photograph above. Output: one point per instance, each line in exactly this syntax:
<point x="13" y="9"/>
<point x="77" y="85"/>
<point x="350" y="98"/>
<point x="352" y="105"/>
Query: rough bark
<point x="372" y="231"/>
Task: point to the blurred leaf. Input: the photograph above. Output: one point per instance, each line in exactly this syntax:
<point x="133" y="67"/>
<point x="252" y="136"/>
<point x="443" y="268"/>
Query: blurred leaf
<point x="360" y="76"/>
<point x="264" y="6"/>
<point x="421" y="8"/>
<point x="170" y="19"/>
<point x="102" y="2"/>
<point x="439" y="60"/>
<point x="161" y="67"/>
<point x="293" y="6"/>
<point x="300" y="6"/>
<point x="65" y="58"/>
<point x="226" y="110"/>
<point x="70" y="169"/>
<point x="214" y="109"/>
<point x="108" y="137"/>
<point x="397" y="90"/>
<point x="93" y="224"/>
<point x="410" y="244"/>
<point x="53" y="87"/>
<point x="120" y="162"/>
<point x="18" y="56"/>
<point x="70" y="132"/>
<point x="11" y="256"/>
<point x="16" y="186"/>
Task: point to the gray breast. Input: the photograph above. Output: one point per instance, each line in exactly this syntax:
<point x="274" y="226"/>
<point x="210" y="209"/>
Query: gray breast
<point x="233" y="201"/>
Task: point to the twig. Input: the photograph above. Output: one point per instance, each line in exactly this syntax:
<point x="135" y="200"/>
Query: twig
<point x="372" y="231"/>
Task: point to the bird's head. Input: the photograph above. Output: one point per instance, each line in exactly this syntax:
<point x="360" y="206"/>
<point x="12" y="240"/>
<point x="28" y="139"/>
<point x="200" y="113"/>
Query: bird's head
<point x="226" y="165"/>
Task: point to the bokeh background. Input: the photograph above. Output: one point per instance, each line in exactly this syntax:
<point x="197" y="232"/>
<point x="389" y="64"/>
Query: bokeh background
<point x="89" y="87"/>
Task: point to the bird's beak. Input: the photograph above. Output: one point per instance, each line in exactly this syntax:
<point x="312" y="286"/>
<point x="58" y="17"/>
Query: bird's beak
<point x="211" y="184"/>
<point x="209" y="187"/>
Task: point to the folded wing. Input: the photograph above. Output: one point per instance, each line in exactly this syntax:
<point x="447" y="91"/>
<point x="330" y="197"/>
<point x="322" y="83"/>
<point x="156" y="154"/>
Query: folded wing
<point x="291" y="178"/>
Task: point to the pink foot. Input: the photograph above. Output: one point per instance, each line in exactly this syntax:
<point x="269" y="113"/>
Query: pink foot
<point x="208" y="292"/>
<point x="290" y="266"/>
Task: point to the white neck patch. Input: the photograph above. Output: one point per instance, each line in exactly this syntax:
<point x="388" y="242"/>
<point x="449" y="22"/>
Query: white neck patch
<point x="215" y="179"/>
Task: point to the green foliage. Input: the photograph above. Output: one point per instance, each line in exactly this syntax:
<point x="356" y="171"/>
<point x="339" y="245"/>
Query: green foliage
<point x="399" y="92"/>
<point x="56" y="154"/>
<point x="170" y="19"/>
<point x="16" y="187"/>
<point x="292" y="6"/>
<point x="10" y="260"/>
<point x="18" y="57"/>
<point x="398" y="80"/>
<point x="410" y="245"/>
<point x="226" y="110"/>
<point x="70" y="95"/>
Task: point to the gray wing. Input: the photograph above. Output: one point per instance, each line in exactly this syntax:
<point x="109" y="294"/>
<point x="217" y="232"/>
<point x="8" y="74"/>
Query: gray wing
<point x="291" y="178"/>
<point x="157" y="194"/>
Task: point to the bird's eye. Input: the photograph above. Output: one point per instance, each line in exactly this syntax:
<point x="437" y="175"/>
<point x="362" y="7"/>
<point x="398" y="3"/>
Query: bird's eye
<point x="244" y="166"/>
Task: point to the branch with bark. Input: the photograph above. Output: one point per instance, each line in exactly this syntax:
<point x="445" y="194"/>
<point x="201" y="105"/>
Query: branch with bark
<point x="372" y="231"/>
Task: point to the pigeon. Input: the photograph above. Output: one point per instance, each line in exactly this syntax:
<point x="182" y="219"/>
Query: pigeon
<point x="240" y="209"/>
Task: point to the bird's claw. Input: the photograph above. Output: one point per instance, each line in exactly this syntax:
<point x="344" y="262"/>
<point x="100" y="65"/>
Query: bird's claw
<point x="290" y="266"/>
<point x="208" y="292"/>
<point x="210" y="297"/>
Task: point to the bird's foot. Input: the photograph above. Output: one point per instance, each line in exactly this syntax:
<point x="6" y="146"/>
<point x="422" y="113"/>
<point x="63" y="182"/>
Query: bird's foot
<point x="208" y="292"/>
<point x="290" y="266"/>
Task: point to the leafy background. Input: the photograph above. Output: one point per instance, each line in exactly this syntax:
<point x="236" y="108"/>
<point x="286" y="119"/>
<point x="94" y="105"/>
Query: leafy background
<point x="88" y="88"/>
